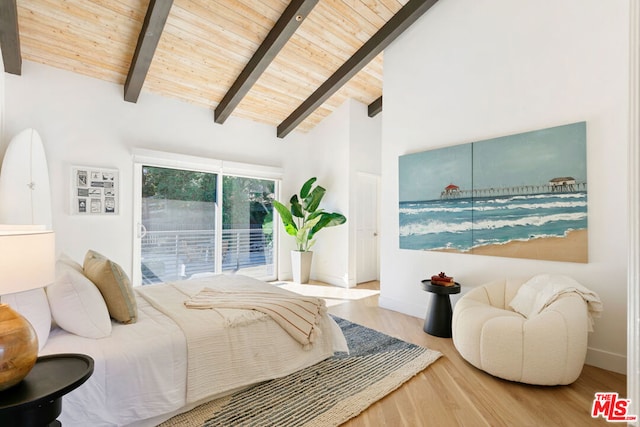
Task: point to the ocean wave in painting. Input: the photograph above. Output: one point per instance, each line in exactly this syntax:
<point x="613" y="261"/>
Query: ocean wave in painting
<point x="466" y="223"/>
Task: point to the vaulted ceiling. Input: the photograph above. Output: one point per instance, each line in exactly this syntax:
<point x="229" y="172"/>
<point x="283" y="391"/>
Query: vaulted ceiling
<point x="285" y="63"/>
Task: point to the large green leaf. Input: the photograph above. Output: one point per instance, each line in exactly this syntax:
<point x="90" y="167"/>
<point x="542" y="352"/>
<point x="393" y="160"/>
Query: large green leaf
<point x="287" y="219"/>
<point x="291" y="229"/>
<point x="296" y="208"/>
<point x="327" y="220"/>
<point x="317" y="213"/>
<point x="312" y="201"/>
<point x="306" y="187"/>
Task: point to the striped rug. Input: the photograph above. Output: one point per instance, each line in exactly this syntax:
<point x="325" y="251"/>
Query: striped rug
<point x="325" y="394"/>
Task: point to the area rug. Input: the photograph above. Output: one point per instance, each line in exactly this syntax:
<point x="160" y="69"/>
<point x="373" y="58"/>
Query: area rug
<point x="325" y="394"/>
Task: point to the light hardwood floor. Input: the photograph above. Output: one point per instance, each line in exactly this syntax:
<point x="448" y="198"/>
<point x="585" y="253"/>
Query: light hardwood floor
<point x="451" y="392"/>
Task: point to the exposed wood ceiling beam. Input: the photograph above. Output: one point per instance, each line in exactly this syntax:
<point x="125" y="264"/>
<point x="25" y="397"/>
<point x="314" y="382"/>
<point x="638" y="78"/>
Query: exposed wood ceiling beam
<point x="152" y="27"/>
<point x="402" y="20"/>
<point x="9" y="37"/>
<point x="375" y="107"/>
<point x="272" y="44"/>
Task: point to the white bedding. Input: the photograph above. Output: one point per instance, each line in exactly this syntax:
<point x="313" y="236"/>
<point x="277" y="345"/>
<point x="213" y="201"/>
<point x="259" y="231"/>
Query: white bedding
<point x="141" y="369"/>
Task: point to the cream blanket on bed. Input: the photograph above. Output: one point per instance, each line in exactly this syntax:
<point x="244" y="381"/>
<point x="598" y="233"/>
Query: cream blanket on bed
<point x="221" y="358"/>
<point x="298" y="315"/>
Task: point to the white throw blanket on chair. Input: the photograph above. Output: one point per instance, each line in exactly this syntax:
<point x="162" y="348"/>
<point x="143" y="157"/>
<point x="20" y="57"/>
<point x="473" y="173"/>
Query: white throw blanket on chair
<point x="540" y="291"/>
<point x="299" y="316"/>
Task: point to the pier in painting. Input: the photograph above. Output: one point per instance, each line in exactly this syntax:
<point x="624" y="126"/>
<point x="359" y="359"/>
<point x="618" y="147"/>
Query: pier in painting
<point x="554" y="186"/>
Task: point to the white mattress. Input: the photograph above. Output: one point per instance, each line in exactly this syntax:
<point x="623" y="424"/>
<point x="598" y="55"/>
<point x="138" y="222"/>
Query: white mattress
<point x="141" y="369"/>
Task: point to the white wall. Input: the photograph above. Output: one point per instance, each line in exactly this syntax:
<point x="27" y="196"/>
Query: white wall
<point x="469" y="71"/>
<point x="343" y="144"/>
<point x="84" y="121"/>
<point x="365" y="139"/>
<point x="325" y="155"/>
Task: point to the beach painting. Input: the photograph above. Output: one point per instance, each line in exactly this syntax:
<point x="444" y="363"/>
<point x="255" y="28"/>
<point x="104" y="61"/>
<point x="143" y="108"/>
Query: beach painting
<point x="519" y="196"/>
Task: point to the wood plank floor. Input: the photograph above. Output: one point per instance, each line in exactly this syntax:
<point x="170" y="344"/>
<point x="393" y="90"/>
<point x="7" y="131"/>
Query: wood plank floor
<point x="451" y="392"/>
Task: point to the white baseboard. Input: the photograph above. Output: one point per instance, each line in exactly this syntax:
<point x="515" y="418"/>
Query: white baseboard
<point x="326" y="278"/>
<point x="415" y="310"/>
<point x="285" y="275"/>
<point x="330" y="279"/>
<point x="606" y="360"/>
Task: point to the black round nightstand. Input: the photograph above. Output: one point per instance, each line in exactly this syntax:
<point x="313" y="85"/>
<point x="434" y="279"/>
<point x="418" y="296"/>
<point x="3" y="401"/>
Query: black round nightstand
<point x="438" y="319"/>
<point x="37" y="399"/>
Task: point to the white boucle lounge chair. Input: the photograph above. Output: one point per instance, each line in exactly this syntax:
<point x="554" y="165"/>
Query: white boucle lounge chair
<point x="544" y="344"/>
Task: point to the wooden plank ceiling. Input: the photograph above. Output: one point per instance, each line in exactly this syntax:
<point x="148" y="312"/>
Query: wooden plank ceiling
<point x="205" y="45"/>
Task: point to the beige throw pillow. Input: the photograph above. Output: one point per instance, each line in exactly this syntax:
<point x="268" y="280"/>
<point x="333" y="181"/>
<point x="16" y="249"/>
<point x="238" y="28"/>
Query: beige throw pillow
<point x="114" y="285"/>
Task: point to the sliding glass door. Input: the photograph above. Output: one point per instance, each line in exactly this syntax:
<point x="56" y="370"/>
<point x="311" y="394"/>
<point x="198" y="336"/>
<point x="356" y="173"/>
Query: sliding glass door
<point x="194" y="222"/>
<point x="178" y="221"/>
<point x="247" y="226"/>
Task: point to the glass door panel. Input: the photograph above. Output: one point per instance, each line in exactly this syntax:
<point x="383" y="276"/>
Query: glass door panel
<point x="193" y="222"/>
<point x="247" y="226"/>
<point x="178" y="213"/>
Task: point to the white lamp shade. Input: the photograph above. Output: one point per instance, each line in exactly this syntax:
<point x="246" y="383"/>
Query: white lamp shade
<point x="27" y="259"/>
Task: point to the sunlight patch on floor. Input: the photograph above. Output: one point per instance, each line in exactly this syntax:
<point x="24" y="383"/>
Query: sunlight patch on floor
<point x="333" y="295"/>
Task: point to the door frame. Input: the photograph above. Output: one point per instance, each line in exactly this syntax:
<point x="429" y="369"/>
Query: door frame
<point x="143" y="157"/>
<point x="633" y="241"/>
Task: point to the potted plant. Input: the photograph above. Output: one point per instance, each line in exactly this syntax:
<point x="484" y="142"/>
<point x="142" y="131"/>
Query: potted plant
<point x="302" y="220"/>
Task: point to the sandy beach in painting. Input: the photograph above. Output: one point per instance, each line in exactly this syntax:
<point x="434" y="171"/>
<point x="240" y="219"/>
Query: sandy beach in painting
<point x="572" y="248"/>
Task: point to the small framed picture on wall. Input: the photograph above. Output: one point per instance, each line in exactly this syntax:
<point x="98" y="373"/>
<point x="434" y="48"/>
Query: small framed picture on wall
<point x="94" y="191"/>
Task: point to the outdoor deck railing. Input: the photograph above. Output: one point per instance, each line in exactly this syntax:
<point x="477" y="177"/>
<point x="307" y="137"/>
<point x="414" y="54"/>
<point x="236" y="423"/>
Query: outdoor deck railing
<point x="177" y="254"/>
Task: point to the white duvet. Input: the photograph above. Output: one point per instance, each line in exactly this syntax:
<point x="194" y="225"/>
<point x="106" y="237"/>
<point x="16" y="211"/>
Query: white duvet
<point x="140" y="374"/>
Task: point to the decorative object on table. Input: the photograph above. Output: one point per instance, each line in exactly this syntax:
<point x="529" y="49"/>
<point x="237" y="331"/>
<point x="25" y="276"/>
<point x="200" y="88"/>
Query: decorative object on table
<point x="37" y="401"/>
<point x="437" y="322"/>
<point x="518" y="196"/>
<point x="94" y="191"/>
<point x="325" y="394"/>
<point x="25" y="193"/>
<point x="303" y="220"/>
<point x="544" y="322"/>
<point x="442" y="279"/>
<point x="27" y="259"/>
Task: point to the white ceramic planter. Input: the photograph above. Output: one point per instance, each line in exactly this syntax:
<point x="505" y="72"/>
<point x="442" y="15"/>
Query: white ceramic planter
<point x="301" y="265"/>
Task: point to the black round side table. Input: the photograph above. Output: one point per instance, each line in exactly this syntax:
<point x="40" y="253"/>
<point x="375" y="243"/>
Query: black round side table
<point x="438" y="319"/>
<point x="36" y="401"/>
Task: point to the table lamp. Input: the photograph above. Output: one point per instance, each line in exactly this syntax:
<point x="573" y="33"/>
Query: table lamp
<point x="27" y="261"/>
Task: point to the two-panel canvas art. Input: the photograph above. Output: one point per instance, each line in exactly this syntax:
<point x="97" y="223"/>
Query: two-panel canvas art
<point x="520" y="196"/>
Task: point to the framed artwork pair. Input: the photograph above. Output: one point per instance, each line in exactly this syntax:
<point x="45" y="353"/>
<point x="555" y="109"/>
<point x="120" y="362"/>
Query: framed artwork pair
<point x="518" y="196"/>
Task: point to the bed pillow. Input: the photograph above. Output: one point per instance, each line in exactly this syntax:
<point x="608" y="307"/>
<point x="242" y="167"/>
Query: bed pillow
<point x="114" y="285"/>
<point x="77" y="305"/>
<point x="66" y="261"/>
<point x="34" y="307"/>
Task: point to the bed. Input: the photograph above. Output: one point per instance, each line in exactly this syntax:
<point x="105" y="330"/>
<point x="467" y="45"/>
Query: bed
<point x="150" y="369"/>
